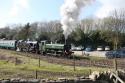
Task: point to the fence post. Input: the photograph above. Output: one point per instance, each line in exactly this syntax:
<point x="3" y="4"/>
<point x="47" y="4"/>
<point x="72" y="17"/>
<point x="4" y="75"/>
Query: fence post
<point x="74" y="64"/>
<point x="36" y="74"/>
<point x="90" y="71"/>
<point x="15" y="60"/>
<point x="39" y="60"/>
<point x="115" y="68"/>
<point x="115" y="64"/>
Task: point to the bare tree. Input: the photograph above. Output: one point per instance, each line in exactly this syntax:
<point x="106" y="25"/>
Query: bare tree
<point x="118" y="24"/>
<point x="51" y="29"/>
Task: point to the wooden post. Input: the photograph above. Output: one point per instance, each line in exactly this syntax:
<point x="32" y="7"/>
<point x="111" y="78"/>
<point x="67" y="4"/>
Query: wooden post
<point x="115" y="68"/>
<point x="90" y="71"/>
<point x="26" y="54"/>
<point x="74" y="62"/>
<point x="39" y="60"/>
<point x="115" y="64"/>
<point x="83" y="53"/>
<point x="36" y="74"/>
<point x="15" y="60"/>
<point x="28" y="57"/>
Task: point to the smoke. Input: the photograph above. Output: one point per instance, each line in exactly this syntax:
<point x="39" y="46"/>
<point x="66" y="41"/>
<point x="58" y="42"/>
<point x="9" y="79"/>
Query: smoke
<point x="70" y="11"/>
<point x="108" y="6"/>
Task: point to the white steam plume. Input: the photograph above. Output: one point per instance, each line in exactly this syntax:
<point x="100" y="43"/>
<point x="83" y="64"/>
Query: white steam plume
<point x="70" y="11"/>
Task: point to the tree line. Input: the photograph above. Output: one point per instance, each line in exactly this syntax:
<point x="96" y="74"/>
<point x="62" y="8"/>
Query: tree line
<point x="109" y="31"/>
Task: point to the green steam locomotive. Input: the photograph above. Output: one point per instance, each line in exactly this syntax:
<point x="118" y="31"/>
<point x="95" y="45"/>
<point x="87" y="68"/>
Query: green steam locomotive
<point x="57" y="49"/>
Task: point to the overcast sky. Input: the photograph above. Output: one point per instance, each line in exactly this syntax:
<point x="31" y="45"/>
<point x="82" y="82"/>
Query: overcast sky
<point x="23" y="11"/>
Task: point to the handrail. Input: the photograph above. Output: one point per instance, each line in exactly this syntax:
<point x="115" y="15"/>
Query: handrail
<point x="117" y="78"/>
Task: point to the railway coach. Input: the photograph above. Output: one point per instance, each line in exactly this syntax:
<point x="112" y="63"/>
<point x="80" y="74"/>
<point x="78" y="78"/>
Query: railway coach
<point x="8" y="44"/>
<point x="19" y="45"/>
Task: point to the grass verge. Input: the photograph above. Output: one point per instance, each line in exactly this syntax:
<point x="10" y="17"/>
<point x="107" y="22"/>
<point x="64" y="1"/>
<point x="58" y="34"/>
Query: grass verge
<point x="28" y="66"/>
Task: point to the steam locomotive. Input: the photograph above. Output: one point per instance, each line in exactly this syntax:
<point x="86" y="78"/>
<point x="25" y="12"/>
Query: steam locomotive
<point x="42" y="47"/>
